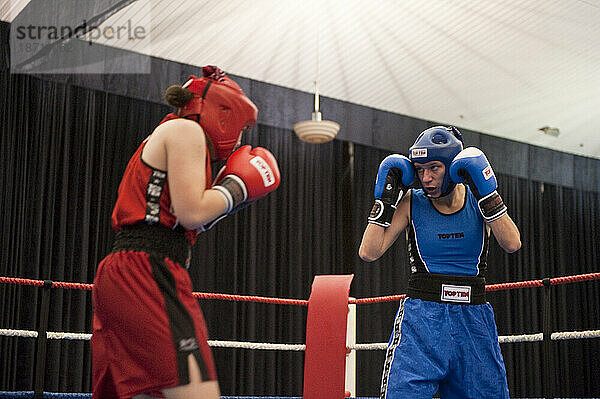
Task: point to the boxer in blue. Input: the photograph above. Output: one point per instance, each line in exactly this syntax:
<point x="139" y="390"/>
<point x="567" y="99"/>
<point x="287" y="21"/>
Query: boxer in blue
<point x="444" y="337"/>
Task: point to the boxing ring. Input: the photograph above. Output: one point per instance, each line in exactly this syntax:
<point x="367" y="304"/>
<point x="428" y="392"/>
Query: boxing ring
<point x="330" y="347"/>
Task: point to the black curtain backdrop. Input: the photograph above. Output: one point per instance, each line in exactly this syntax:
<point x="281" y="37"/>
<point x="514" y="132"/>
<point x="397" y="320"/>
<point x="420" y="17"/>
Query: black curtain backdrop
<point x="64" y="149"/>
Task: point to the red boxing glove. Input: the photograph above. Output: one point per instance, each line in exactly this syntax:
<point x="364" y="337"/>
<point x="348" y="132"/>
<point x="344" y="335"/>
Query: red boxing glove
<point x="248" y="174"/>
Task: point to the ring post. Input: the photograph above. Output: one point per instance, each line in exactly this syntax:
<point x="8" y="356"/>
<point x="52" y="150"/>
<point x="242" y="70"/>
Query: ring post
<point x="351" y="354"/>
<point x="325" y="355"/>
<point x="548" y="381"/>
<point x="42" y="341"/>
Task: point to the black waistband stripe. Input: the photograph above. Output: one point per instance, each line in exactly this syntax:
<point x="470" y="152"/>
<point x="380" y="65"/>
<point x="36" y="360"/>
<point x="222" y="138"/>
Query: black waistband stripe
<point x="154" y="239"/>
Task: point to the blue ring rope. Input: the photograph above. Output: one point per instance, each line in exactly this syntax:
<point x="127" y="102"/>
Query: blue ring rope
<point x="62" y="395"/>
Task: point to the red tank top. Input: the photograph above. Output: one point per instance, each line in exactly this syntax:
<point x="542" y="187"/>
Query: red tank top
<point x="143" y="196"/>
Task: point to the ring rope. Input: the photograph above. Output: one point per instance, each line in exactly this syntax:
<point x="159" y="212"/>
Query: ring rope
<point x="201" y="295"/>
<point x="251" y="298"/>
<point x="81" y="395"/>
<point x="301" y="347"/>
<point x="212" y="343"/>
<point x="31" y="395"/>
<point x="303" y="302"/>
<point x="377" y="299"/>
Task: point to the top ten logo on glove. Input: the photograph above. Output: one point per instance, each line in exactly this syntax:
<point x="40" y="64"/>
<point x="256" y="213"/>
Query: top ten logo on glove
<point x="264" y="170"/>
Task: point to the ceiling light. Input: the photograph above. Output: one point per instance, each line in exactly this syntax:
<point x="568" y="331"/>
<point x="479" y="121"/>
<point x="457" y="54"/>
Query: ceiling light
<point x="550" y="131"/>
<point x="317" y="130"/>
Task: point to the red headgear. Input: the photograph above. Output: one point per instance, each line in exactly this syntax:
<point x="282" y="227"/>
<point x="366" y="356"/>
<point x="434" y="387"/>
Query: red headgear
<point x="222" y="109"/>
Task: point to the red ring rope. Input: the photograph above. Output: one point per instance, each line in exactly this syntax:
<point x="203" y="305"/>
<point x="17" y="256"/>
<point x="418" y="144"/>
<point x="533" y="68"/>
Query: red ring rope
<point x="302" y="302"/>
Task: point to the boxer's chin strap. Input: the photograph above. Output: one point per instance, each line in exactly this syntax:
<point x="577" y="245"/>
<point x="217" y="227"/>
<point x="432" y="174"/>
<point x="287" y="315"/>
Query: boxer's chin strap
<point x="451" y="187"/>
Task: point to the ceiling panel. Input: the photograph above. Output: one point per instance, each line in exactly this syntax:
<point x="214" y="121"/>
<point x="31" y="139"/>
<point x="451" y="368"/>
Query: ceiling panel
<point x="505" y="68"/>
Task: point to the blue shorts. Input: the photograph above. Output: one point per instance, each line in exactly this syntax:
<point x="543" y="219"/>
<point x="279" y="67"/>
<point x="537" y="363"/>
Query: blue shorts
<point x="450" y="347"/>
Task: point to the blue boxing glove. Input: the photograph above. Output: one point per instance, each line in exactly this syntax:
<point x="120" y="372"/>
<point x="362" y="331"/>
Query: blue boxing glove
<point x="394" y="176"/>
<point x="472" y="167"/>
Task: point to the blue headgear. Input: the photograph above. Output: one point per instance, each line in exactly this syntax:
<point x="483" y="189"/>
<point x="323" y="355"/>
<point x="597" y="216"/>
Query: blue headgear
<point x="438" y="143"/>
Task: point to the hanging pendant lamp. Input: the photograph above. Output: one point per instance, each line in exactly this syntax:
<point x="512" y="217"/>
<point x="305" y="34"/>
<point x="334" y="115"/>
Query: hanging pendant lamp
<point x="316" y="130"/>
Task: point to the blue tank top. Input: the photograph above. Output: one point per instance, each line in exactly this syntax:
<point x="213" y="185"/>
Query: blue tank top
<point x="455" y="244"/>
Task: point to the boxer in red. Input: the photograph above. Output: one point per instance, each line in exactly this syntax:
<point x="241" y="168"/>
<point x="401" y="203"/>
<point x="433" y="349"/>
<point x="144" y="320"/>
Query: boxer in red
<point x="149" y="338"/>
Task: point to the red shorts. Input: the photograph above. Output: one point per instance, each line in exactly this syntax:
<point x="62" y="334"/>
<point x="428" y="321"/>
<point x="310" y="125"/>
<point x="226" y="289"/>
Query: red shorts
<point x="146" y="324"/>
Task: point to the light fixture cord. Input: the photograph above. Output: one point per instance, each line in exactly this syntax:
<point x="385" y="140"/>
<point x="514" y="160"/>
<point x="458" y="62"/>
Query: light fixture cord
<point x="317" y="77"/>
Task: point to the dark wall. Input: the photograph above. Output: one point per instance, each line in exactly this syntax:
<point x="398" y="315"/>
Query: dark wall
<point x="282" y="107"/>
<point x="65" y="140"/>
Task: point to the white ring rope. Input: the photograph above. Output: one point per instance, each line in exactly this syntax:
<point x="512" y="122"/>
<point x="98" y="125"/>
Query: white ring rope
<point x="300" y="347"/>
<point x="213" y="343"/>
<point x="256" y="345"/>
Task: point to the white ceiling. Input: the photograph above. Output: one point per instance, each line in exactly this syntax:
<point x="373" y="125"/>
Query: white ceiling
<point x="501" y="67"/>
